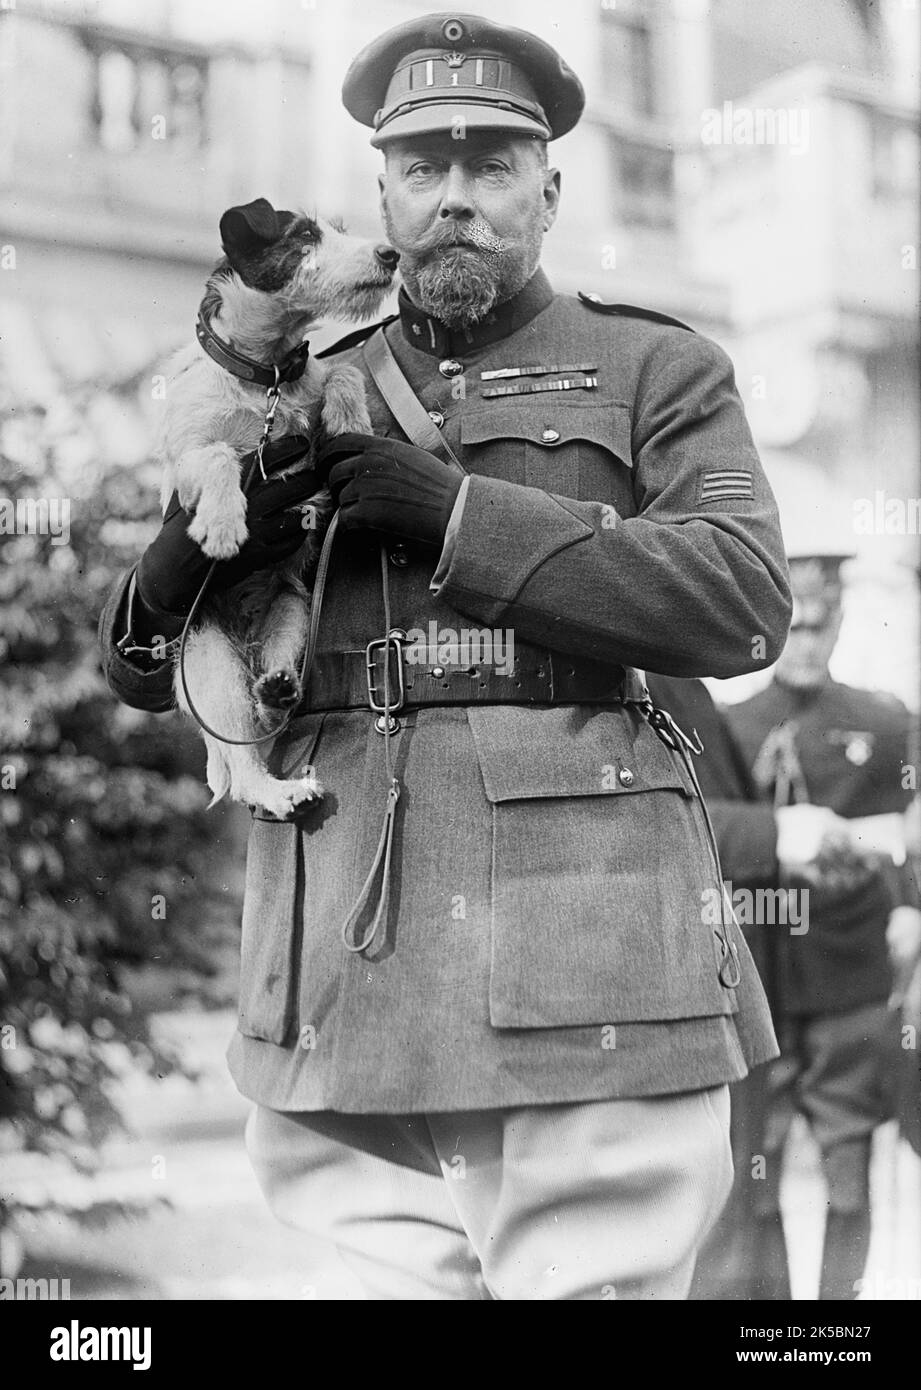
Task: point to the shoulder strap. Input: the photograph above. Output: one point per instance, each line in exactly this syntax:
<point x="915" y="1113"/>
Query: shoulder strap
<point x="600" y="306"/>
<point x="405" y="406"/>
<point x="353" y="339"/>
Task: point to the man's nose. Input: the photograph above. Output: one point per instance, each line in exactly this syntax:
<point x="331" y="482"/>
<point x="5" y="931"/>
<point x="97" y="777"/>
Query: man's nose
<point x="455" y="195"/>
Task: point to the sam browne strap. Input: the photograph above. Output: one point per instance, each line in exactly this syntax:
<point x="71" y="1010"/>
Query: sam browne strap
<point x="405" y="406"/>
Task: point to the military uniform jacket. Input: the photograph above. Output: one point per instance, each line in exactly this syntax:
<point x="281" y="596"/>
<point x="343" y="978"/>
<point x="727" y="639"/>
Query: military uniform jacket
<point x="851" y="745"/>
<point x="544" y="940"/>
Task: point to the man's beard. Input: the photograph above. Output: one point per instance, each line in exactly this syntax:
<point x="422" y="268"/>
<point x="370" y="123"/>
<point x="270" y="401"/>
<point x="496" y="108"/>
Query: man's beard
<point x="465" y="270"/>
<point x="459" y="285"/>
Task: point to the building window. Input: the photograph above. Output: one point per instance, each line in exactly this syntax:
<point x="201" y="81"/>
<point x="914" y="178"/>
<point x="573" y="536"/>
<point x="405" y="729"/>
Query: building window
<point x="626" y="62"/>
<point x="895" y="156"/>
<point x="643" y="182"/>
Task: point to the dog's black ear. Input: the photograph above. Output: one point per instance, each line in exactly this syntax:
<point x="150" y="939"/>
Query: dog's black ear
<point x="249" y="229"/>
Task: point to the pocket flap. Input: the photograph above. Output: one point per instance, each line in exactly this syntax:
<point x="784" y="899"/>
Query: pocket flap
<point x="551" y="425"/>
<point x="572" y="750"/>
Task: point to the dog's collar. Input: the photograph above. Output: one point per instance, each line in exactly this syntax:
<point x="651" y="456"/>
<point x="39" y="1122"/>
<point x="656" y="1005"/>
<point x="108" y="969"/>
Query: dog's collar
<point x="290" y="369"/>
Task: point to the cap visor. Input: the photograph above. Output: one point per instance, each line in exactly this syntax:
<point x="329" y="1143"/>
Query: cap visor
<point x="451" y="116"/>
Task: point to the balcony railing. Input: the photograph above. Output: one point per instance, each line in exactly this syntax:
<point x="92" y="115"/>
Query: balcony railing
<point x="124" y="134"/>
<point x="142" y="89"/>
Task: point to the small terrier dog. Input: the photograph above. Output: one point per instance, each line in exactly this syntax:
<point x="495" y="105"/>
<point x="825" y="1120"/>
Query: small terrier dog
<point x="281" y="273"/>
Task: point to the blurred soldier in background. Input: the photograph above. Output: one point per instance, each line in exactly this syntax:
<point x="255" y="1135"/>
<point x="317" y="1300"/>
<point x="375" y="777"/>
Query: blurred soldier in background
<point x="814" y="743"/>
<point x="760" y="846"/>
<point x="909" y="1102"/>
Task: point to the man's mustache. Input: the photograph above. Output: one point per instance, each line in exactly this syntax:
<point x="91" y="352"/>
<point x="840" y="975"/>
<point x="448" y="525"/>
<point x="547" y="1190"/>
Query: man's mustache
<point x="475" y="236"/>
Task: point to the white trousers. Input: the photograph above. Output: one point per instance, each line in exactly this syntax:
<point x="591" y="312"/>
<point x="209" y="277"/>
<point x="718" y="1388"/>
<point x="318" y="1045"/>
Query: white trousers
<point x="597" y="1200"/>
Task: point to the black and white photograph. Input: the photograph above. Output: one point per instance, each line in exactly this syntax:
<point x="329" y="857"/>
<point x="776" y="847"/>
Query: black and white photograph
<point x="460" y="664"/>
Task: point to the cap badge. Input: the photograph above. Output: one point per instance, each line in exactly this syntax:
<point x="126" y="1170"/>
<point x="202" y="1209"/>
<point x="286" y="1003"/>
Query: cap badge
<point x="455" y="60"/>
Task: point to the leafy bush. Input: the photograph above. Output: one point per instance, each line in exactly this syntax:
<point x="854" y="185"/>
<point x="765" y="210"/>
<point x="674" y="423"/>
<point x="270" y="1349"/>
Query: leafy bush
<point x="106" y="852"/>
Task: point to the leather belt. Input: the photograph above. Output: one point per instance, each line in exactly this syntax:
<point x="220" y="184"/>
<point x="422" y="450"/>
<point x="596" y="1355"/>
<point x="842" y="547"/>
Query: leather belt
<point x="354" y="679"/>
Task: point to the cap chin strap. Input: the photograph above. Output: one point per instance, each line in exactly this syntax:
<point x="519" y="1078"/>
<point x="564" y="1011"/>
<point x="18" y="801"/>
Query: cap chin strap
<point x="291" y="368"/>
<point x="457" y="98"/>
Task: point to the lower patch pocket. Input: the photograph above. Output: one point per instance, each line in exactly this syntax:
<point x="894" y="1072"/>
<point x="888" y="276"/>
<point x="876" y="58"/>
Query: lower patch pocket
<point x="601" y="877"/>
<point x="272" y="912"/>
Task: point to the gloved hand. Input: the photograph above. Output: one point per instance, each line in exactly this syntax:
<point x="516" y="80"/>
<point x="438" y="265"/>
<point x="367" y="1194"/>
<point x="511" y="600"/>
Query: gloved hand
<point x="173" y="566"/>
<point x="808" y="837"/>
<point x="384" y="485"/>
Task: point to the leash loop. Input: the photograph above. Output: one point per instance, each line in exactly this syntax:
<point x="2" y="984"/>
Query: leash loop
<point x="384" y="852"/>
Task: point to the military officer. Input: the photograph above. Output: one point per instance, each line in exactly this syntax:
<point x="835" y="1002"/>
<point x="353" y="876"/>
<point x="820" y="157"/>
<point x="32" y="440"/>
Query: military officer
<point x="814" y="743"/>
<point x="759" y="845"/>
<point x="486" y="1029"/>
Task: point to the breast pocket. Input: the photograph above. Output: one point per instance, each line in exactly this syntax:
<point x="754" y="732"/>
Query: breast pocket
<point x="602" y="892"/>
<point x="273" y="902"/>
<point x="574" y="448"/>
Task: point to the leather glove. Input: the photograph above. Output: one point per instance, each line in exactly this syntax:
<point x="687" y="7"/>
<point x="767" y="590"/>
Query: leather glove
<point x="173" y="566"/>
<point x="384" y="485"/>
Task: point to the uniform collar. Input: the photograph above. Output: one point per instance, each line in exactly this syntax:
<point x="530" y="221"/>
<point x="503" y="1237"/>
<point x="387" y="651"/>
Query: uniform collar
<point x="430" y="335"/>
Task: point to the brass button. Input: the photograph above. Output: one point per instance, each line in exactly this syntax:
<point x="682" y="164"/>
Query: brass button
<point x="436" y="418"/>
<point x="450" y="367"/>
<point x="549" y="435"/>
<point x="625" y="777"/>
<point x="438" y="672"/>
<point x="399" y="557"/>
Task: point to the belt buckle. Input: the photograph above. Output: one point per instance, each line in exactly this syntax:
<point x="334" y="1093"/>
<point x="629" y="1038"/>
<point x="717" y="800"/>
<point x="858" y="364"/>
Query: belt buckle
<point x="395" y="638"/>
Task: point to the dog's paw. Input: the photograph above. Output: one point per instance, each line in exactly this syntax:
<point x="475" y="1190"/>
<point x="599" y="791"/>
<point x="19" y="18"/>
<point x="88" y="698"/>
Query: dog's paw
<point x="282" y="799"/>
<point x="345" y="409"/>
<point x="220" y="528"/>
<point x="278" y="690"/>
<point x="188" y="490"/>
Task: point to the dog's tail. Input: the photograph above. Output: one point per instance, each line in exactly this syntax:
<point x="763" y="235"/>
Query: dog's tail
<point x="217" y="773"/>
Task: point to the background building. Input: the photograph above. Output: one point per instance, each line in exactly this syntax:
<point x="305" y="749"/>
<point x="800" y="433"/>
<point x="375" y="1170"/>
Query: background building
<point x="751" y="169"/>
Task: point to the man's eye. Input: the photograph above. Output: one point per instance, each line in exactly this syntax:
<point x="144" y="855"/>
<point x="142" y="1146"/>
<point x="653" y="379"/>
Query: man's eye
<point x="492" y="166"/>
<point x="422" y="169"/>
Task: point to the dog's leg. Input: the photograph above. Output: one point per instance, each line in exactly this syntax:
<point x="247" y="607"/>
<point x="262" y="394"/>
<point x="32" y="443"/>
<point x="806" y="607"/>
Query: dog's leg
<point x="209" y="480"/>
<point x="219" y="686"/>
<point x="345" y="409"/>
<point x="282" y="642"/>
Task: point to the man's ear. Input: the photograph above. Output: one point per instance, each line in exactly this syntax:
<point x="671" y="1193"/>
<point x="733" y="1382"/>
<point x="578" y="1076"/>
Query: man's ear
<point x="249" y="229"/>
<point x="552" y="181"/>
